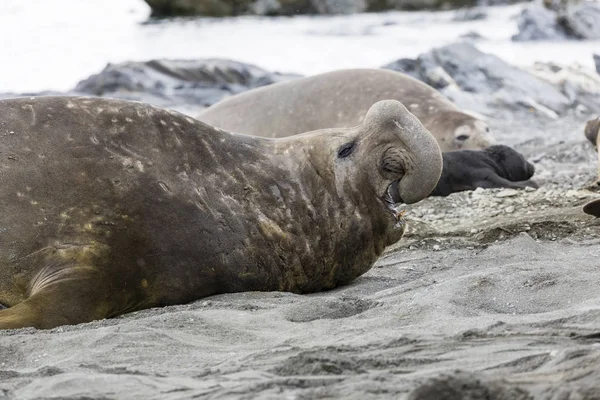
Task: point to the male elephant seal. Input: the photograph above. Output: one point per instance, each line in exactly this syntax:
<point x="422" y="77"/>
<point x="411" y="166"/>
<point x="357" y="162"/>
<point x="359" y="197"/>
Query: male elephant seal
<point x="592" y="129"/>
<point x="111" y="206"/>
<point x="341" y="99"/>
<point x="497" y="166"/>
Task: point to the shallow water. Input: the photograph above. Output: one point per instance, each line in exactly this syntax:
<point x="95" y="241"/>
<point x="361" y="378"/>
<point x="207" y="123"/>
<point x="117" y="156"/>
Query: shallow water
<point x="52" y="44"/>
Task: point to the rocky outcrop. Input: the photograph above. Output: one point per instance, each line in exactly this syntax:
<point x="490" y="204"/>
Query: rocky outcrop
<point x="582" y="21"/>
<point x="221" y="8"/>
<point x="184" y="85"/>
<point x="186" y="8"/>
<point x="538" y="23"/>
<point x="569" y="21"/>
<point x="488" y="85"/>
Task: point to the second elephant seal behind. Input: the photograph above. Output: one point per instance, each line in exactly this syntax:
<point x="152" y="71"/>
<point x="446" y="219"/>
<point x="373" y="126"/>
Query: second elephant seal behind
<point x="341" y="99"/>
<point x="592" y="129"/>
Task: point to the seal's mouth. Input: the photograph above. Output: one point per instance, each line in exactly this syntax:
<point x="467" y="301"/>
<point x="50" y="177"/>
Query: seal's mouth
<point x="394" y="208"/>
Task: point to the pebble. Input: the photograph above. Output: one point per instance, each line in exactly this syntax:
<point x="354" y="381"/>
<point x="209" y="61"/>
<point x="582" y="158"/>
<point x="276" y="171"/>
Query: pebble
<point x="507" y="193"/>
<point x="510" y="209"/>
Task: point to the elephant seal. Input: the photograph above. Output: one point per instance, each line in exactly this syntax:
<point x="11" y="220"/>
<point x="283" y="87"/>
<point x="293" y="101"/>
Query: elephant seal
<point x="591" y="131"/>
<point x="592" y="128"/>
<point x="497" y="166"/>
<point x="592" y="208"/>
<point x="110" y="206"/>
<point x="341" y="99"/>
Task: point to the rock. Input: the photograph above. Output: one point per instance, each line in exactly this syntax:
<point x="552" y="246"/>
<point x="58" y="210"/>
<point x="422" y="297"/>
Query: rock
<point x="559" y="21"/>
<point x="470" y="14"/>
<point x="582" y="21"/>
<point x="507" y="193"/>
<point x="538" y="23"/>
<point x="212" y="8"/>
<point x="483" y="82"/>
<point x="466" y="386"/>
<point x="472" y="35"/>
<point x="405" y="65"/>
<point x="221" y="8"/>
<point x="580" y="85"/>
<point x="184" y="85"/>
<point x="597" y="62"/>
<point x="339" y="6"/>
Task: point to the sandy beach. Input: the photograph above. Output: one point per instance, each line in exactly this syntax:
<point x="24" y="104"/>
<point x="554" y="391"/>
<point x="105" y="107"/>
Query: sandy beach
<point x="475" y="302"/>
<point x="491" y="294"/>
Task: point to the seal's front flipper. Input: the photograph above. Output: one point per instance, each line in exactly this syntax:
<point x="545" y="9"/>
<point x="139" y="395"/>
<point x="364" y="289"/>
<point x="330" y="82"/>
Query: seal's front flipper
<point x="592" y="208"/>
<point x="65" y="296"/>
<point x="497" y="182"/>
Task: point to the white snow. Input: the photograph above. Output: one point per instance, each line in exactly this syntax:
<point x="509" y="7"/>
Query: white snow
<point x="53" y="44"/>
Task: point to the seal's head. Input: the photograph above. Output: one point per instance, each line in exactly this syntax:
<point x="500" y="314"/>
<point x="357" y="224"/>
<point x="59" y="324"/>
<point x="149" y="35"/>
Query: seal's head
<point x="388" y="159"/>
<point x="467" y="131"/>
<point x="592" y="128"/>
<point x="513" y="166"/>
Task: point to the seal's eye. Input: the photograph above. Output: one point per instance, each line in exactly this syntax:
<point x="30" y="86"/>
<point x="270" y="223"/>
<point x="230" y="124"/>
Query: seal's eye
<point x="346" y="149"/>
<point x="462" y="138"/>
<point x="487" y="129"/>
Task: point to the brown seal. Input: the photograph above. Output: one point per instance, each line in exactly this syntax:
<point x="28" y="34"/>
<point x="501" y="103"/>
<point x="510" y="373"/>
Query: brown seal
<point x="341" y="99"/>
<point x="592" y="128"/>
<point x="591" y="131"/>
<point x="111" y="206"/>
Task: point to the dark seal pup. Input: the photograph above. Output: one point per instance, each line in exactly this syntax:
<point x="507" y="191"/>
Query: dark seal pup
<point x="111" y="206"/>
<point x="341" y="99"/>
<point x="497" y="166"/>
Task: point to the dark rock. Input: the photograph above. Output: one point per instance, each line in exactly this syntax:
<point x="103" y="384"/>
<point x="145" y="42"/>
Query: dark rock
<point x="339" y="6"/>
<point x="179" y="84"/>
<point x="555" y="22"/>
<point x="470" y="14"/>
<point x="220" y="8"/>
<point x="485" y="3"/>
<point x="582" y="21"/>
<point x="538" y="23"/>
<point x="213" y="8"/>
<point x="485" y="83"/>
<point x="414" y="5"/>
<point x="597" y="62"/>
<point x="472" y="36"/>
<point x="405" y="65"/>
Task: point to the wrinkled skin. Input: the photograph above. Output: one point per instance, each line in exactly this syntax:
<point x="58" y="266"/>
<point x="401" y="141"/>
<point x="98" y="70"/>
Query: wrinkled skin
<point x="497" y="166"/>
<point x="341" y="99"/>
<point x="112" y="206"/>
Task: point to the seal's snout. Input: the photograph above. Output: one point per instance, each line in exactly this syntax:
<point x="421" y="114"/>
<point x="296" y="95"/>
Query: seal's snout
<point x="529" y="170"/>
<point x="412" y="160"/>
